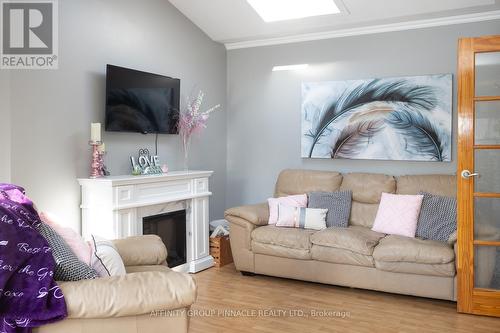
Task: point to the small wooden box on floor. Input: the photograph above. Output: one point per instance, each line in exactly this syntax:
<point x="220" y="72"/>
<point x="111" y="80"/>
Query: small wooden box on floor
<point x="220" y="249"/>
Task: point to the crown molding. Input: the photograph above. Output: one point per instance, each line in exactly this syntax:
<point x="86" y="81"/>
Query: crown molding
<point x="374" y="29"/>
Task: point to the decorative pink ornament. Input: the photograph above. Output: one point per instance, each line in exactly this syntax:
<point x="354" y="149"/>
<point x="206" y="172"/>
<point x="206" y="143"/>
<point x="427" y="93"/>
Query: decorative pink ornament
<point x="192" y="121"/>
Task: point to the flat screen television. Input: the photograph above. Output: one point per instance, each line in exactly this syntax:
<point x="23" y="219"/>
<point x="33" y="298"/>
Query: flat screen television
<point x="141" y="102"/>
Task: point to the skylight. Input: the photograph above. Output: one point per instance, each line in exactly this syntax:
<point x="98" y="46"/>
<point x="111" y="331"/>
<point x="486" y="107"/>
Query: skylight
<point x="280" y="10"/>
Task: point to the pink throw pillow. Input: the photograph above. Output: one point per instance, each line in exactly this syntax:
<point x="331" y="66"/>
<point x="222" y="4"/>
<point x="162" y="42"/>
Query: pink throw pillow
<point x="398" y="214"/>
<point x="76" y="243"/>
<point x="299" y="200"/>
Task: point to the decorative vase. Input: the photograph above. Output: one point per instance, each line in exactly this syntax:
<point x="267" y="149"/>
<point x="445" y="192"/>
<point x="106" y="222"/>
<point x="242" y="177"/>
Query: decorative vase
<point x="186" y="160"/>
<point x="192" y="121"/>
<point x="186" y="144"/>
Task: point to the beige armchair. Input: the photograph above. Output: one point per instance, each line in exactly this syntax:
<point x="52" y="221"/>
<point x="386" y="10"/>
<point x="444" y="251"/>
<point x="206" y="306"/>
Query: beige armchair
<point x="150" y="298"/>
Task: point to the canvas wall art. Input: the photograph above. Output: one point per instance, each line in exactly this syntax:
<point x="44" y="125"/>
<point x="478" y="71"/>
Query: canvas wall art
<point x="404" y="118"/>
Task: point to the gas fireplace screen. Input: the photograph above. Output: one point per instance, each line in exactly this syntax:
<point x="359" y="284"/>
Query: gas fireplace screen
<point x="171" y="227"/>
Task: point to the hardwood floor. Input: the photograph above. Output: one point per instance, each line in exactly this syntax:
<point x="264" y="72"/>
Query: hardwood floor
<point x="230" y="302"/>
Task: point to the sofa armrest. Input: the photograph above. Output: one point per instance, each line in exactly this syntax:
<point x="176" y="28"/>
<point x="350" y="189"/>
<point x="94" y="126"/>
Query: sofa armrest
<point x="257" y="214"/>
<point x="129" y="295"/>
<point x="141" y="250"/>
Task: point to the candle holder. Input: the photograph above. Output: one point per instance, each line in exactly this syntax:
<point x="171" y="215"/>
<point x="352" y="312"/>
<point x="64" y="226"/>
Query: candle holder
<point x="96" y="165"/>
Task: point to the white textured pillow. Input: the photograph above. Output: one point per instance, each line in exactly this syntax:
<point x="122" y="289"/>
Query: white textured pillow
<point x="106" y="260"/>
<point x="300" y="217"/>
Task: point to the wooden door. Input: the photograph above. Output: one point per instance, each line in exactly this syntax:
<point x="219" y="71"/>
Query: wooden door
<point x="478" y="259"/>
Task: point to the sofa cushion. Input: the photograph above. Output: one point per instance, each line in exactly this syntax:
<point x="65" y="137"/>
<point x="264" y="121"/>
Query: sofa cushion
<point x="303" y="181"/>
<point x="415" y="268"/>
<point x="363" y="214"/>
<point x="129" y="295"/>
<point x="445" y="185"/>
<point x="286" y="237"/>
<point x="368" y="187"/>
<point x="280" y="251"/>
<point x="340" y="256"/>
<point x="414" y="250"/>
<point x="356" y="239"/>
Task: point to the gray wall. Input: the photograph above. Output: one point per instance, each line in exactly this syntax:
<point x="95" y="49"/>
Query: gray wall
<point x="52" y="110"/>
<point x="259" y="136"/>
<point x="5" y="144"/>
<point x="264" y="106"/>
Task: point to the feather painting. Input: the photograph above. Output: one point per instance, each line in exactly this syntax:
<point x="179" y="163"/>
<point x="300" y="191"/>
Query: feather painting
<point x="421" y="136"/>
<point x="406" y="118"/>
<point x="354" y="137"/>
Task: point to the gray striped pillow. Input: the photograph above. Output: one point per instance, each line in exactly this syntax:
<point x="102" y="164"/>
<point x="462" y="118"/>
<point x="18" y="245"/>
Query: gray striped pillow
<point x="438" y="217"/>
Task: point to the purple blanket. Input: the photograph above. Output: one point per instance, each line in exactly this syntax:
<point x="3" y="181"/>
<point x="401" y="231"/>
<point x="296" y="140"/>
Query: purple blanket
<point x="29" y="296"/>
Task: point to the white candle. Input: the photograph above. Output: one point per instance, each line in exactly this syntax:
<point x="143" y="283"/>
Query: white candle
<point x="102" y="148"/>
<point x="95" y="132"/>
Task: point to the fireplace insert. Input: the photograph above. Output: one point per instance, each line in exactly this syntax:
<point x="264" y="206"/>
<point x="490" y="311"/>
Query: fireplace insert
<point x="171" y="227"/>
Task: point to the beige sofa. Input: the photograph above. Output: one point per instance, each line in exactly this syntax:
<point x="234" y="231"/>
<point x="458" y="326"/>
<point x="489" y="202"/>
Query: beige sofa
<point x="355" y="256"/>
<point x="150" y="298"/>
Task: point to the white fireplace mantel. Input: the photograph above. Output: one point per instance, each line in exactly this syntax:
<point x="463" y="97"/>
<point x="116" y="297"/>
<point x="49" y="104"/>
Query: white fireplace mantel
<point x="114" y="207"/>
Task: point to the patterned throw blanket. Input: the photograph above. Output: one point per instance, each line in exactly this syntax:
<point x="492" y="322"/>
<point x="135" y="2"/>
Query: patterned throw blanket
<point x="29" y="296"/>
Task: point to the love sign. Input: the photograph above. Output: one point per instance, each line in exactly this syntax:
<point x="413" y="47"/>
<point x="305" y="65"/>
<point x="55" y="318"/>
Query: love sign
<point x="146" y="164"/>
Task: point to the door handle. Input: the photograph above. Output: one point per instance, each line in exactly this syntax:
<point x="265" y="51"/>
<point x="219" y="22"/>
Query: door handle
<point x="466" y="174"/>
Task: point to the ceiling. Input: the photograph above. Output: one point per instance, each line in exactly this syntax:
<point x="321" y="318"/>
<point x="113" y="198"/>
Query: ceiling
<point x="236" y="24"/>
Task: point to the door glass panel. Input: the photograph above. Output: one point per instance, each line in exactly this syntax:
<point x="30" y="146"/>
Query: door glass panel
<point x="487" y="219"/>
<point x="488" y="74"/>
<point x="487" y="123"/>
<point x="487" y="267"/>
<point x="487" y="165"/>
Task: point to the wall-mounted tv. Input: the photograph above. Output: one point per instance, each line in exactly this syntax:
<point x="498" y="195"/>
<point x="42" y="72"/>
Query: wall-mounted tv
<point x="141" y="102"/>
